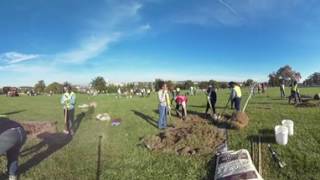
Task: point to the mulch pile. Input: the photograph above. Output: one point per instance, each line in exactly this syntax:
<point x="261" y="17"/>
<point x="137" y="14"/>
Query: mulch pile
<point x="33" y="129"/>
<point x="191" y="136"/>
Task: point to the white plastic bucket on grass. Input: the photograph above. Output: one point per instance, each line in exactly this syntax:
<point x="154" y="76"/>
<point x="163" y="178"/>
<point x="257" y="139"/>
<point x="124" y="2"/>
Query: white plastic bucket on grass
<point x="281" y="133"/>
<point x="289" y="124"/>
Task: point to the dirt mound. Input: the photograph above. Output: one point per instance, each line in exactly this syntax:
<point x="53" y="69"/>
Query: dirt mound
<point x="237" y="120"/>
<point x="33" y="129"/>
<point x="192" y="136"/>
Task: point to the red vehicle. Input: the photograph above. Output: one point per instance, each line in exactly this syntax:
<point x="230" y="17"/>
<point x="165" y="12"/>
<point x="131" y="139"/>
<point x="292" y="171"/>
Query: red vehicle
<point x="13" y="92"/>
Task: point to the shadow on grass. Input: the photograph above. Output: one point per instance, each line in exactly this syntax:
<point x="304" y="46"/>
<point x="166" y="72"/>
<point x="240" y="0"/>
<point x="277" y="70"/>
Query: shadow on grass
<point x="211" y="168"/>
<point x="198" y="106"/>
<point x="267" y="137"/>
<point x="263" y="103"/>
<point x="53" y="142"/>
<point x="14" y="112"/>
<point x="147" y="118"/>
<point x="98" y="172"/>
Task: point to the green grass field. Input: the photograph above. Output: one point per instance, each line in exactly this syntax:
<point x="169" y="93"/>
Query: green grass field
<point x="121" y="157"/>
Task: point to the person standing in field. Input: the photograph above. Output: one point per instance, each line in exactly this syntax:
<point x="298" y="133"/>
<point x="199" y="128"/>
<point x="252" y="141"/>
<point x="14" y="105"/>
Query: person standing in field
<point x="164" y="105"/>
<point x="282" y="90"/>
<point x="119" y="92"/>
<point x="68" y="101"/>
<point x="235" y="95"/>
<point x="211" y="99"/>
<point x="12" y="138"/>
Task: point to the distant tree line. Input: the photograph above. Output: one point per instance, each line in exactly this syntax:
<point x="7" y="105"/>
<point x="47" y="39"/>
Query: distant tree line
<point x="313" y="80"/>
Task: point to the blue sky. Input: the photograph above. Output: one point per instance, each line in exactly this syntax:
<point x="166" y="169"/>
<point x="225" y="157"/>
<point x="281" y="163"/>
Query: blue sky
<point x="122" y="40"/>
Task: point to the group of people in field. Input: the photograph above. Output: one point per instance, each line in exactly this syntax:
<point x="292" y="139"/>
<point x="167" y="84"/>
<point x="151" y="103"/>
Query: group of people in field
<point x="13" y="135"/>
<point x="182" y="100"/>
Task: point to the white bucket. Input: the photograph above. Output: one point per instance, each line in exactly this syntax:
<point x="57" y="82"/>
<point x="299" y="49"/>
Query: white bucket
<point x="289" y="124"/>
<point x="281" y="133"/>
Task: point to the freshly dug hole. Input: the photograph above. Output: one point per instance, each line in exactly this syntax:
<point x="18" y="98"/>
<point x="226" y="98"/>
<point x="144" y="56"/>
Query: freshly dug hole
<point x="308" y="104"/>
<point x="33" y="129"/>
<point x="192" y="136"/>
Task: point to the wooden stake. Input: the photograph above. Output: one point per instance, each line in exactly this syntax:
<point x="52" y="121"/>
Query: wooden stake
<point x="259" y="156"/>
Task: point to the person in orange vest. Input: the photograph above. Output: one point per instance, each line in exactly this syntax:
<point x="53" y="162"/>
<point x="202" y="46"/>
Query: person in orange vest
<point x="235" y="95"/>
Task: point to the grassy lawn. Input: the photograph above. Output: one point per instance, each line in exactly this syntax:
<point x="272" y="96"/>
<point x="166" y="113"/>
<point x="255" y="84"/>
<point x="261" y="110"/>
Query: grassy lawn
<point x="121" y="157"/>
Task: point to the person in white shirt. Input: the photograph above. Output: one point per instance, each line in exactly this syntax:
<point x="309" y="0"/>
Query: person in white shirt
<point x="164" y="106"/>
<point x="282" y="90"/>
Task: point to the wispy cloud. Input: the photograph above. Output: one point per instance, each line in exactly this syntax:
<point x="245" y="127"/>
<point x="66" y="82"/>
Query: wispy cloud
<point x="117" y="21"/>
<point x="144" y="28"/>
<point x="237" y="13"/>
<point x="88" y="49"/>
<point x="16" y="57"/>
<point x="229" y="7"/>
<point x="211" y="13"/>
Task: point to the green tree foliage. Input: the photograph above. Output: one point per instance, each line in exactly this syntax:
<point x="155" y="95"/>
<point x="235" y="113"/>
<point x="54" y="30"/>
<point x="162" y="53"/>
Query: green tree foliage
<point x="285" y="73"/>
<point x="40" y="87"/>
<point x="223" y="85"/>
<point x="170" y="85"/>
<point x="5" y="90"/>
<point x="99" y="84"/>
<point x="112" y="88"/>
<point x="249" y="82"/>
<point x="188" y="84"/>
<point x="203" y="84"/>
<point x="55" y="87"/>
<point x="158" y="83"/>
<point x="313" y="79"/>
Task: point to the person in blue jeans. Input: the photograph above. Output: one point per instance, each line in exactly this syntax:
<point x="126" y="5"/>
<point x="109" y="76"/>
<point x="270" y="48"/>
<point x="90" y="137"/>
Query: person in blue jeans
<point x="12" y="138"/>
<point x="164" y="105"/>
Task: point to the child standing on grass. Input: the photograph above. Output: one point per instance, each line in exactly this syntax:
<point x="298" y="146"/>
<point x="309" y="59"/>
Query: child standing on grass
<point x="164" y="105"/>
<point x="12" y="138"/>
<point x="68" y="101"/>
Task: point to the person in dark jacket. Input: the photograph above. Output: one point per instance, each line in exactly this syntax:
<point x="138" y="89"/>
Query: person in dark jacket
<point x="12" y="138"/>
<point x="212" y="99"/>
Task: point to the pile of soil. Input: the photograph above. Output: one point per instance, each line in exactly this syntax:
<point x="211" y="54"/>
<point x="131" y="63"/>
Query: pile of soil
<point x="237" y="120"/>
<point x="33" y="129"/>
<point x="191" y="136"/>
